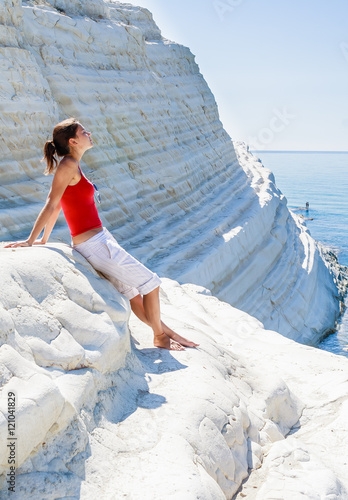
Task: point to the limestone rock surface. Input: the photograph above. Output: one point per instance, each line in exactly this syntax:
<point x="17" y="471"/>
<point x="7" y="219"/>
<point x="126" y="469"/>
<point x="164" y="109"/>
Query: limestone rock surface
<point x="100" y="413"/>
<point x="57" y="326"/>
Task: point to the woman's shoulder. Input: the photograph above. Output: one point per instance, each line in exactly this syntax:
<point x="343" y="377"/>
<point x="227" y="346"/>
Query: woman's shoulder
<point x="67" y="168"/>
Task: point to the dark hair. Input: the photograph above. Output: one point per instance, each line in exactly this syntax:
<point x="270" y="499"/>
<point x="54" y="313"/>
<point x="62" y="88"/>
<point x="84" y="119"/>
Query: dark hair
<point x="59" y="145"/>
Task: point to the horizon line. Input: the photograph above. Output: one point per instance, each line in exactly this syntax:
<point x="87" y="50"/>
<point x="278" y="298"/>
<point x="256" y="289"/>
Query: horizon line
<point x="294" y="151"/>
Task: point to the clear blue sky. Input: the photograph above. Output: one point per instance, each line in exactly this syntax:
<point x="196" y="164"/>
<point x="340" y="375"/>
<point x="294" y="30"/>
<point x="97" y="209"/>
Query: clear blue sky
<point x="278" y="69"/>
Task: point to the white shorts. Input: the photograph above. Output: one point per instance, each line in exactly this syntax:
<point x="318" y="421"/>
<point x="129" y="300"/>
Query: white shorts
<point x="126" y="273"/>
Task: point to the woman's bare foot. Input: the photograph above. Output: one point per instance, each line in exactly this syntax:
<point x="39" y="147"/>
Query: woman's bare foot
<point x="177" y="338"/>
<point x="165" y="342"/>
<point x="137" y="305"/>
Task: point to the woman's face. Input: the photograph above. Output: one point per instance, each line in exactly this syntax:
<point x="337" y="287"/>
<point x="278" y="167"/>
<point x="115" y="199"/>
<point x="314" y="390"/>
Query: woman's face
<point x="83" y="138"/>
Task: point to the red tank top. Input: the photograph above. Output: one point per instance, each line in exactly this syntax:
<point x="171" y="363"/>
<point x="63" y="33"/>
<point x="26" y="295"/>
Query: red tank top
<point x="79" y="207"/>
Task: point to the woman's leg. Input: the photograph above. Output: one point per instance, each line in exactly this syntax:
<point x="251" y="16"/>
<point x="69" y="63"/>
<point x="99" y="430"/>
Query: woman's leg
<point x="152" y="312"/>
<point x="138" y="309"/>
<point x="127" y="274"/>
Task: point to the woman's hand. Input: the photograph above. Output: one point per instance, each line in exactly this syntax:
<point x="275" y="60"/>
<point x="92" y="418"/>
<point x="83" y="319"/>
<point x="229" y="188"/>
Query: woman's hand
<point x="24" y="244"/>
<point x="19" y="244"/>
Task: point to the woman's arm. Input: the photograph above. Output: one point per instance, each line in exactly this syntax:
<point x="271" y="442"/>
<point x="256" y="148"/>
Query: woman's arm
<point x="65" y="172"/>
<point x="49" y="226"/>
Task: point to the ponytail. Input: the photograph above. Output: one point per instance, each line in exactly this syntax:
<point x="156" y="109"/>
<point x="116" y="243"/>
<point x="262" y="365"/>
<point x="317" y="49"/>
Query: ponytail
<point x="49" y="152"/>
<point x="59" y="146"/>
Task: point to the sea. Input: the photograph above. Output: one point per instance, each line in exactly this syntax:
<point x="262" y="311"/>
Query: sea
<point x="321" y="180"/>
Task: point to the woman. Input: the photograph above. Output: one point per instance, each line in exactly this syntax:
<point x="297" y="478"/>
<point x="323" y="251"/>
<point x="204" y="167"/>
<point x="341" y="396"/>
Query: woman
<point x="74" y="193"/>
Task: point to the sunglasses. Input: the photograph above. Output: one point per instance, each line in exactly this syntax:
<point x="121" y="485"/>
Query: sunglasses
<point x="96" y="193"/>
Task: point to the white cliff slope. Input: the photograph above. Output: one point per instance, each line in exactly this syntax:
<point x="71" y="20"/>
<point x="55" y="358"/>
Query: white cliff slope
<point x="98" y="416"/>
<point x="176" y="191"/>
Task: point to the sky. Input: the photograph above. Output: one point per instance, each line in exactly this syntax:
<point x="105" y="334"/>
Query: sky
<point x="278" y="68"/>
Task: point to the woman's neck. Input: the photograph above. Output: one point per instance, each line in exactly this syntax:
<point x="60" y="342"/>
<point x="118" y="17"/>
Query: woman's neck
<point x="75" y="156"/>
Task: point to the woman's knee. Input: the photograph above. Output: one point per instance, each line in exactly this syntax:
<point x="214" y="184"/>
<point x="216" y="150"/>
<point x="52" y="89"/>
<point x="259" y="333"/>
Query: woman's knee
<point x="137" y="300"/>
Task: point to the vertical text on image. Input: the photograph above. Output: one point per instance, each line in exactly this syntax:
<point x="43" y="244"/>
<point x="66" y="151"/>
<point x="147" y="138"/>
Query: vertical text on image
<point x="11" y="441"/>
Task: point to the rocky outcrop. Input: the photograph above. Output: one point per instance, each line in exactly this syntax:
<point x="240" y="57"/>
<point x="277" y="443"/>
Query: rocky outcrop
<point x="99" y="416"/>
<point x="60" y="328"/>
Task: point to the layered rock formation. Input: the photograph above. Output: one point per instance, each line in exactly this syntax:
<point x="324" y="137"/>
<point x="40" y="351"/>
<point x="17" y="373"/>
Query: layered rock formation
<point x="176" y="191"/>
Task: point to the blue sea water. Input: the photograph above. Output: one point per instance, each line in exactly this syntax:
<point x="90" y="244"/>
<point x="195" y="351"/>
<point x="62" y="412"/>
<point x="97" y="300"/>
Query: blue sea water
<point x="321" y="179"/>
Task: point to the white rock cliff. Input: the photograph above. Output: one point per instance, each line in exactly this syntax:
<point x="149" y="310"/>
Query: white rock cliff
<point x="101" y="413"/>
